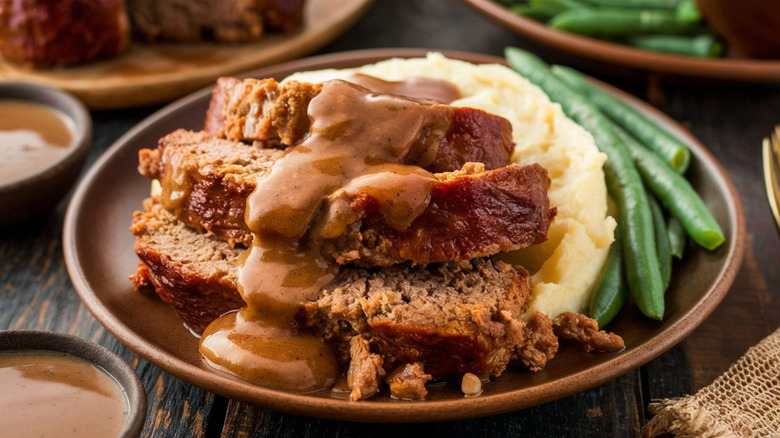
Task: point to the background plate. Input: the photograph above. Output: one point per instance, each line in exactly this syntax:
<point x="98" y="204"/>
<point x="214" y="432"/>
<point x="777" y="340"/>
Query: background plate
<point x="99" y="255"/>
<point x="156" y="73"/>
<point x="734" y="69"/>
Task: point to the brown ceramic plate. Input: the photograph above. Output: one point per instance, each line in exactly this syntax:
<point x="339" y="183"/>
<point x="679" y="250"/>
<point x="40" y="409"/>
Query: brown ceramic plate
<point x="99" y="255"/>
<point x="158" y="73"/>
<point x="732" y="69"/>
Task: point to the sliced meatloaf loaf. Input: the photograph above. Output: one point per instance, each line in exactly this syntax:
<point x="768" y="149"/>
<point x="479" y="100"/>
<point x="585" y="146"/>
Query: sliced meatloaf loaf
<point x="227" y="21"/>
<point x="472" y="212"/>
<point x="276" y="114"/>
<point x="454" y="317"/>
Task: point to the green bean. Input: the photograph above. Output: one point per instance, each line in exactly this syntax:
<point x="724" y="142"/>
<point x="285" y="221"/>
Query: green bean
<point x="529" y="11"/>
<point x="611" y="292"/>
<point x="702" y="46"/>
<point x="676" y="237"/>
<point x="614" y="22"/>
<point x="675" y="194"/>
<point x="661" y="241"/>
<point x="688" y="11"/>
<point x="623" y="182"/>
<point x="553" y="7"/>
<point x="672" y="150"/>
<point x="638" y="4"/>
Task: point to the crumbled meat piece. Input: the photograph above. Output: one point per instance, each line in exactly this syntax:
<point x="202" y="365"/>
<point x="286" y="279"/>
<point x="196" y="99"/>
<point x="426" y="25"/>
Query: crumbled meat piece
<point x="407" y="381"/>
<point x="365" y="369"/>
<point x="539" y="342"/>
<point x="585" y="331"/>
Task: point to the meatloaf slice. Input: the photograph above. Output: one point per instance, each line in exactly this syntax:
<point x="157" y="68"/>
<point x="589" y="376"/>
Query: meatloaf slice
<point x="276" y="114"/>
<point x="196" y="274"/>
<point x="206" y="181"/>
<point x="455" y="317"/>
<point x="227" y="21"/>
<point x="472" y="212"/>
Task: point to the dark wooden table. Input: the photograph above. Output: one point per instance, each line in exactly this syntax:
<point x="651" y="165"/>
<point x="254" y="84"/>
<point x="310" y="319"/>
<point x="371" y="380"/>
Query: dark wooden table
<point x="731" y="119"/>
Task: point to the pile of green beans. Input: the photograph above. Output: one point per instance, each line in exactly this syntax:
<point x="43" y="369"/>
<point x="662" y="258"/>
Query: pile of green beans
<point x="669" y="26"/>
<point x="642" y="178"/>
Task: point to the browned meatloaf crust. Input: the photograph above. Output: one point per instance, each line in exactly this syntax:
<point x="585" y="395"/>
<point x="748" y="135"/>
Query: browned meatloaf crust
<point x="472" y="213"/>
<point x="454" y="317"/>
<point x="46" y="32"/>
<point x="227" y="21"/>
<point x="276" y="114"/>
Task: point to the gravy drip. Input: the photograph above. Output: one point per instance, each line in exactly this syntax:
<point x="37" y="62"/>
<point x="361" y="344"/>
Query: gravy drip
<point x="32" y="137"/>
<point x="51" y="394"/>
<point x="417" y="88"/>
<point x="357" y="143"/>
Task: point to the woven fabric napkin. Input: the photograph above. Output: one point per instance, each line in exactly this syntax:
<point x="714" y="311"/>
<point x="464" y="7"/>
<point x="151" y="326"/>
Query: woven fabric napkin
<point x="743" y="402"/>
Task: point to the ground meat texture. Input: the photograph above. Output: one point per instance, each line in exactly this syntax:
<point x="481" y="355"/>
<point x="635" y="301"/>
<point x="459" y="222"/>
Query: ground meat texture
<point x="453" y="317"/>
<point x="194" y="273"/>
<point x="365" y="370"/>
<point x="472" y="212"/>
<point x="539" y="343"/>
<point x="585" y="331"/>
<point x="276" y="114"/>
<point x="407" y="381"/>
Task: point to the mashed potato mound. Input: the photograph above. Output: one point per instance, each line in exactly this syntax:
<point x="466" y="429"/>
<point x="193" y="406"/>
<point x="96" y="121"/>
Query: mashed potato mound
<point x="566" y="266"/>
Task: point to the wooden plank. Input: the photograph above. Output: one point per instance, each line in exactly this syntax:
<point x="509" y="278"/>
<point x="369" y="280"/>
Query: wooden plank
<point x="612" y="409"/>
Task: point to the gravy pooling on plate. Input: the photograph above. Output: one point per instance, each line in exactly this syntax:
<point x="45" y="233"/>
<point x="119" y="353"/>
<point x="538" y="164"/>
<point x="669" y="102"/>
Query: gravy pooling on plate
<point x="357" y="143"/>
<point x="53" y="394"/>
<point x="32" y="138"/>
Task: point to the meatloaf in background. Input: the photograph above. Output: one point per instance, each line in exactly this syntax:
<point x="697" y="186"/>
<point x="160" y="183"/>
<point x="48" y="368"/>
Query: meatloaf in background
<point x="472" y="212"/>
<point x="276" y="114"/>
<point x="45" y="32"/>
<point x="226" y="21"/>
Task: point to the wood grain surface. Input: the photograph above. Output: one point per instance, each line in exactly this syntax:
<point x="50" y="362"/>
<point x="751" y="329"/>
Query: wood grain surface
<point x="35" y="291"/>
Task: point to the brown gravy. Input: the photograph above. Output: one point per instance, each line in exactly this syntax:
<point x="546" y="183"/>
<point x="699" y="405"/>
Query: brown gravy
<point x="32" y="138"/>
<point x="357" y="143"/>
<point x="52" y="394"/>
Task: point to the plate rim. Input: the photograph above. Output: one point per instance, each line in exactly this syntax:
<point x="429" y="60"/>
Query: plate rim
<point x="732" y="69"/>
<point x="397" y="411"/>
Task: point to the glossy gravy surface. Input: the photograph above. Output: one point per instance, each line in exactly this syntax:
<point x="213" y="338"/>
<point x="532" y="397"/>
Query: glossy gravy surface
<point x="52" y="394"/>
<point x="32" y="137"/>
<point x="357" y="143"/>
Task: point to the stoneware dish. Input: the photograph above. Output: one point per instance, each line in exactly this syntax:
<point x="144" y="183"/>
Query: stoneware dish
<point x="93" y="353"/>
<point x="733" y="69"/>
<point x="99" y="255"/>
<point x="41" y="190"/>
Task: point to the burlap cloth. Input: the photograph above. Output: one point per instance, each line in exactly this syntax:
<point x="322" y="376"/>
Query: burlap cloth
<point x="743" y="402"/>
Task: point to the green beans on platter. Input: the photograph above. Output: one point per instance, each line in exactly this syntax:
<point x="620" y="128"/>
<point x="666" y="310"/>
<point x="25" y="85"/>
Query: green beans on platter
<point x="675" y="193"/>
<point x="667" y="26"/>
<point x="648" y="239"/>
<point x="635" y="220"/>
<point x="669" y="148"/>
<point x="618" y="22"/>
<point x="700" y="46"/>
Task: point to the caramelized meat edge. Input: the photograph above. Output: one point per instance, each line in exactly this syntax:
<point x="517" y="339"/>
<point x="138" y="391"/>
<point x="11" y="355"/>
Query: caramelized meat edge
<point x="276" y="115"/>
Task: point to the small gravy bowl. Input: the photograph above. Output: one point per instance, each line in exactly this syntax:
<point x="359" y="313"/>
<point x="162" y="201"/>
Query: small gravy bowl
<point x="39" y="187"/>
<point x="18" y="343"/>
